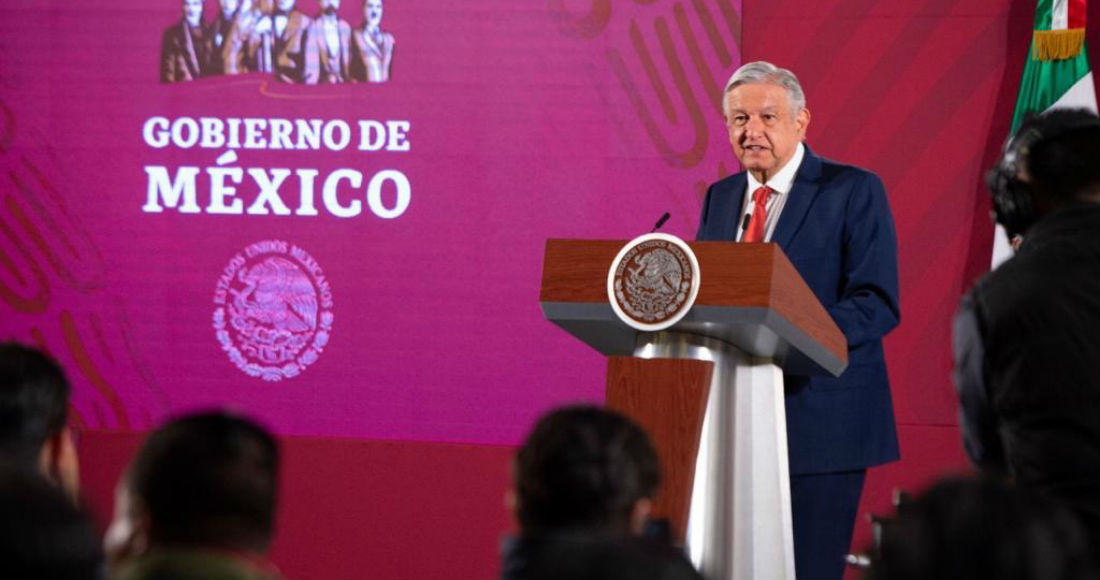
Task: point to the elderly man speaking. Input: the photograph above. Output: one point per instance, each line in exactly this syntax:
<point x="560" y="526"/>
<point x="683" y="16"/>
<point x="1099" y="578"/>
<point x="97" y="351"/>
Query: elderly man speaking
<point x="833" y="221"/>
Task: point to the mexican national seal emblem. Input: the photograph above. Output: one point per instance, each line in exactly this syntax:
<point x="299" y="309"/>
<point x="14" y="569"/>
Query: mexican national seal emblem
<point x="653" y="281"/>
<point x="273" y="310"/>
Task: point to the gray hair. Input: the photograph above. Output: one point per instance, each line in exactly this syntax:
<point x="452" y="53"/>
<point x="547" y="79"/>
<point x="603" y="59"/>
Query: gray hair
<point x="766" y="72"/>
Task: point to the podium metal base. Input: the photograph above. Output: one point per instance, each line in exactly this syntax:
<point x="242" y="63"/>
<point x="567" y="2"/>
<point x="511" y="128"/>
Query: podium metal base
<point x="739" y="523"/>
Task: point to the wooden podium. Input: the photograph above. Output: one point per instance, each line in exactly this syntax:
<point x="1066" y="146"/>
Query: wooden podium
<point x="709" y="390"/>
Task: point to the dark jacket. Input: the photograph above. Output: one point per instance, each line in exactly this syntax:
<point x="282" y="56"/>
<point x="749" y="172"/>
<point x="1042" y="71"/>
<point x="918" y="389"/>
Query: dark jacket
<point x="837" y="230"/>
<point x="1027" y="363"/>
<point x="584" y="555"/>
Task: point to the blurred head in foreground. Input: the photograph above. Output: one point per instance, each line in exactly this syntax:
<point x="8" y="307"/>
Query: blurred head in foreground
<point x="42" y="534"/>
<point x="971" y="528"/>
<point x="584" y="482"/>
<point x="585" y="468"/>
<point x="34" y="403"/>
<point x="198" y="500"/>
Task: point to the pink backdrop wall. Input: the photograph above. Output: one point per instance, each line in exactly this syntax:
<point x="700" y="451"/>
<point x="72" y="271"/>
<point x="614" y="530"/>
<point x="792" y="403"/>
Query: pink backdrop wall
<point x="518" y="130"/>
<point x="527" y="121"/>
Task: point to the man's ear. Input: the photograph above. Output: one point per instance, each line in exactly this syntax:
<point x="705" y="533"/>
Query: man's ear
<point x="803" y="121"/>
<point x="511" y="503"/>
<point x="639" y="514"/>
<point x="58" y="462"/>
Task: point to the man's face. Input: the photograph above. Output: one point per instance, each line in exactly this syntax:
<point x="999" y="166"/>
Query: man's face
<point x="372" y="12"/>
<point x="228" y="7"/>
<point x="763" y="130"/>
<point x="192" y="11"/>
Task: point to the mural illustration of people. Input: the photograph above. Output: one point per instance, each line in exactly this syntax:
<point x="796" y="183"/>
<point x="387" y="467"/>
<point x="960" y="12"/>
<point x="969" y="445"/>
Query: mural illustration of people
<point x="183" y="52"/>
<point x="373" y="47"/>
<point x="328" y="50"/>
<point x="273" y="36"/>
<point x="278" y="43"/>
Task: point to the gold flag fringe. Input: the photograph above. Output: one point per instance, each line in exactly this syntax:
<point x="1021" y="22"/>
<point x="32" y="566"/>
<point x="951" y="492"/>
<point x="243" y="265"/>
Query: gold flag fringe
<point x="1057" y="44"/>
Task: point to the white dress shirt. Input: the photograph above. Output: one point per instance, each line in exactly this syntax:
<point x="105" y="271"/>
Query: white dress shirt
<point x="330" y="24"/>
<point x="780" y="184"/>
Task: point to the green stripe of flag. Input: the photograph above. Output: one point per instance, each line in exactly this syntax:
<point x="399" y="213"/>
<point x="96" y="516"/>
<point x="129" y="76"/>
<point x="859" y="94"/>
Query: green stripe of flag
<point x="1045" y="81"/>
<point x="1044" y="13"/>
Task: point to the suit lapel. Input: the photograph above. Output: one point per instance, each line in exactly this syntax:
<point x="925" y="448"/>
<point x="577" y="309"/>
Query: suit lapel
<point x="345" y="45"/>
<point x="322" y="46"/>
<point x="374" y="48"/>
<point x="800" y="198"/>
<point x="726" y="229"/>
<point x="293" y="26"/>
<point x="192" y="63"/>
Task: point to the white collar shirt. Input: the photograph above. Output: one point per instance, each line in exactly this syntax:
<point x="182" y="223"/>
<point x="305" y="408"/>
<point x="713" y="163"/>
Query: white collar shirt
<point x="281" y="21"/>
<point x="330" y="24"/>
<point x="780" y="184"/>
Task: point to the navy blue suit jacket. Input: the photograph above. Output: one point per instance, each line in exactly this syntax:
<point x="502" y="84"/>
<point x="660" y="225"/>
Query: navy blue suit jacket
<point x="837" y="230"/>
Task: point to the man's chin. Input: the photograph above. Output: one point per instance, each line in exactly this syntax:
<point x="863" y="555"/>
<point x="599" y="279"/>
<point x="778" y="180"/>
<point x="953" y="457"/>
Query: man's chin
<point x="755" y="164"/>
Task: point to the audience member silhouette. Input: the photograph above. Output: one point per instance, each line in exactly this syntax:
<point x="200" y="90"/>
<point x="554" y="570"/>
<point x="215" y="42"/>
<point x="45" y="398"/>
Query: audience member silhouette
<point x="198" y="501"/>
<point x="583" y="486"/>
<point x="42" y="534"/>
<point x="34" y="404"/>
<point x="968" y="528"/>
<point x="1027" y="348"/>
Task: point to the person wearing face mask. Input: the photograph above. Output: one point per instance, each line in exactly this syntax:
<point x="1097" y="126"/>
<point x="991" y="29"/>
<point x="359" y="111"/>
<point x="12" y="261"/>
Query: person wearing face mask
<point x="834" y="223"/>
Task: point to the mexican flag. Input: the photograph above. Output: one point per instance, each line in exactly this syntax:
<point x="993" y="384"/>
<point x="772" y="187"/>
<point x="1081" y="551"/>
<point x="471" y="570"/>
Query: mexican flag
<point x="1057" y="75"/>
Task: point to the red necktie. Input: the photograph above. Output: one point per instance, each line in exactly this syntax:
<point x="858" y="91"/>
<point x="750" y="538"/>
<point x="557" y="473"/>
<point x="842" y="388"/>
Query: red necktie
<point x="755" y="231"/>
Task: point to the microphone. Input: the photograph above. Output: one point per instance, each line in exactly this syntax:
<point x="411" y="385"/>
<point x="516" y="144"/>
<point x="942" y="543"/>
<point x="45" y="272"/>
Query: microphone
<point x="745" y="222"/>
<point x="661" y="222"/>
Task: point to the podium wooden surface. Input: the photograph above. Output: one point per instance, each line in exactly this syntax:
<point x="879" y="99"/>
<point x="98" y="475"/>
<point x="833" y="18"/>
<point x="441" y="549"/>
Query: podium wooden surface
<point x="668" y="398"/>
<point x="751" y="296"/>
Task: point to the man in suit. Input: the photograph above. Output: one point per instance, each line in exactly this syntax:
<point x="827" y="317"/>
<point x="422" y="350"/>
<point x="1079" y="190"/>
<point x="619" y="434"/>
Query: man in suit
<point x="232" y="40"/>
<point x="278" y="43"/>
<point x="228" y="37"/>
<point x="328" y="47"/>
<point x="220" y="31"/>
<point x="373" y="47"/>
<point x="833" y="221"/>
<point x="183" y="46"/>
